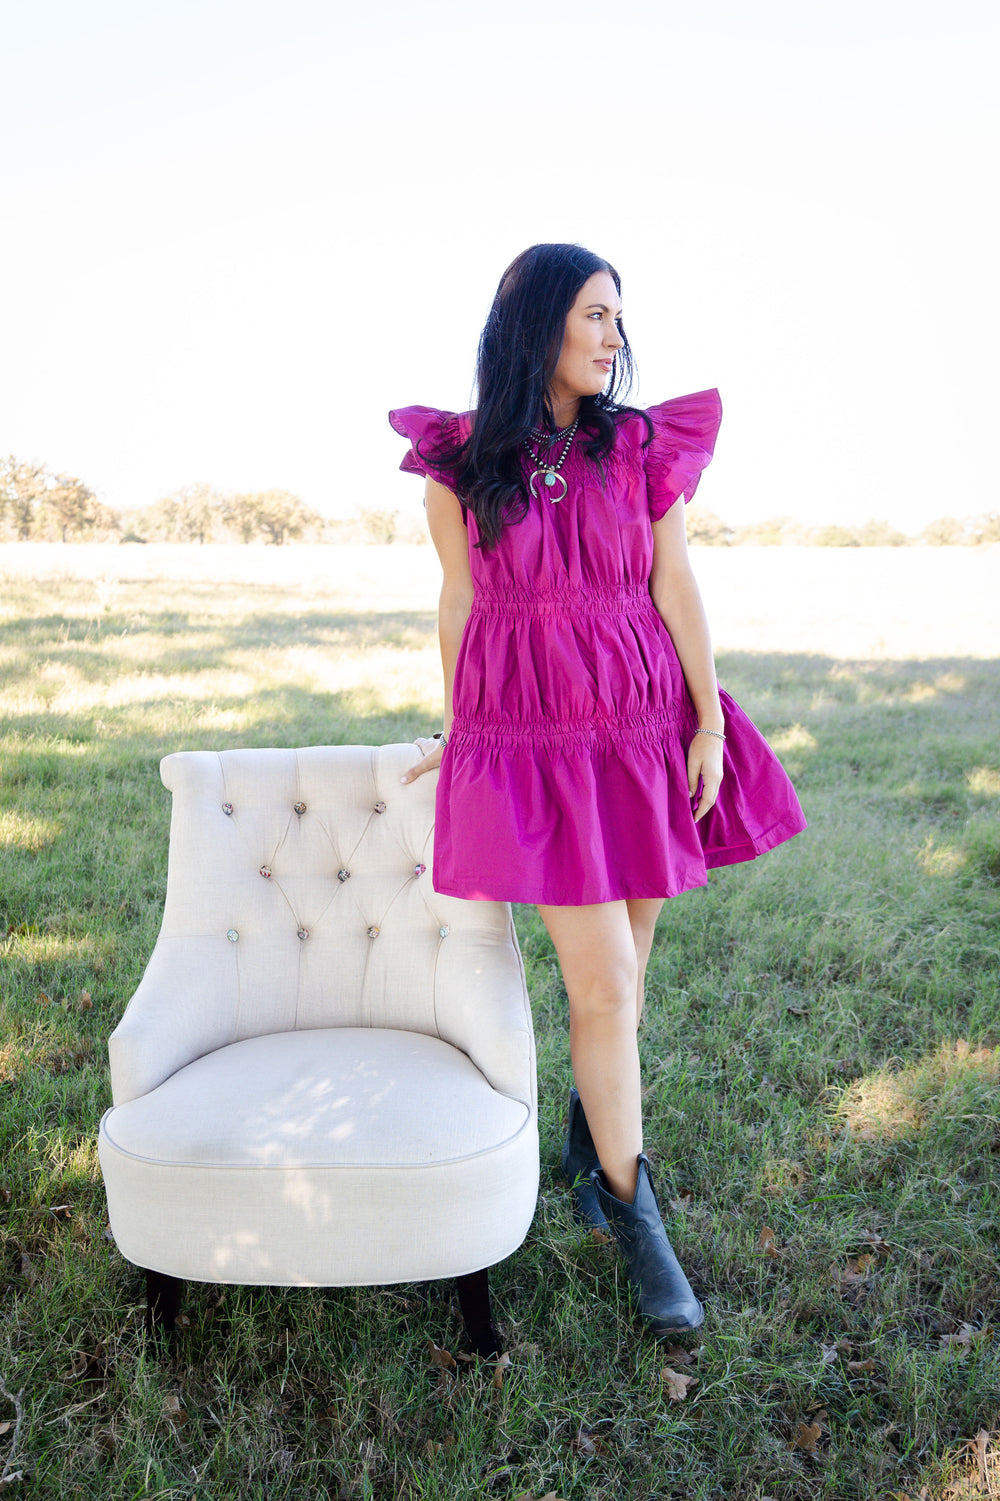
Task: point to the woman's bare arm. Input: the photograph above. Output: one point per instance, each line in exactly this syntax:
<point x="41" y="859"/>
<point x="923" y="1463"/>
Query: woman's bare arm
<point x="451" y="540"/>
<point x="677" y="598"/>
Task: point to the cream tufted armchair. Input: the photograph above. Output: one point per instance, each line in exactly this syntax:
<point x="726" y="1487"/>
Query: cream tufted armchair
<point x="326" y="1076"/>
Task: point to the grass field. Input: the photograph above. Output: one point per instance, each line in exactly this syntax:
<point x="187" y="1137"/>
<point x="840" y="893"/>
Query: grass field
<point x="822" y="1078"/>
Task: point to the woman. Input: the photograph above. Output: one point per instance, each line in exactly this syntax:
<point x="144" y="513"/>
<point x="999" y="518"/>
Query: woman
<point x="589" y="762"/>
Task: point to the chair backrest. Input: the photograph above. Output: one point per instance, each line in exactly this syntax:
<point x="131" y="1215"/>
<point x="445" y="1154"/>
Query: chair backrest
<point x="301" y="881"/>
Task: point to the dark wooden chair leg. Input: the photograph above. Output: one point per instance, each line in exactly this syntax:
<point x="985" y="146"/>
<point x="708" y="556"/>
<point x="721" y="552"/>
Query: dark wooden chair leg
<point x="163" y="1302"/>
<point x="474" y="1301"/>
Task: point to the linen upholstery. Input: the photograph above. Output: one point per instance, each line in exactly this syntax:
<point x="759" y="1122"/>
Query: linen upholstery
<point x="326" y="1074"/>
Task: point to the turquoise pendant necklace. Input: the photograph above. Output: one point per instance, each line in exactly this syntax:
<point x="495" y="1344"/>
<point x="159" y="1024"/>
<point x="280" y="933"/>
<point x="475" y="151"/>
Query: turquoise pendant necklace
<point x="549" y="473"/>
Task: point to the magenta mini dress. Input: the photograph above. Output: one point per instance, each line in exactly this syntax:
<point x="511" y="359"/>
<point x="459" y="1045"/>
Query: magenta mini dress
<point x="564" y="781"/>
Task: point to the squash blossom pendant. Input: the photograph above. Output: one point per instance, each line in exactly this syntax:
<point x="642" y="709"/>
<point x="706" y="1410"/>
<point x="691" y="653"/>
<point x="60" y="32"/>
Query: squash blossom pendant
<point x="549" y="473"/>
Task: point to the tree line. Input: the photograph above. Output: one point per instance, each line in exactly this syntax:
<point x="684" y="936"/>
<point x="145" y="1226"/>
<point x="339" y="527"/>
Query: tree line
<point x="37" y="505"/>
<point x="707" y="530"/>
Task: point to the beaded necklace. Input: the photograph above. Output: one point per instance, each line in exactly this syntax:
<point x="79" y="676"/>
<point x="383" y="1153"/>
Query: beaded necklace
<point x="550" y="472"/>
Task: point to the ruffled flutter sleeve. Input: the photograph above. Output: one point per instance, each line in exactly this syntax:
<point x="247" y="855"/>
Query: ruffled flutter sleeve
<point x="684" y="433"/>
<point x="430" y="433"/>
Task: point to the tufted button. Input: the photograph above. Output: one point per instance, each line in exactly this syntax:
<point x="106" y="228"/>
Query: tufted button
<point x="343" y="875"/>
<point x="303" y="934"/>
<point x="265" y="871"/>
<point x="373" y="932"/>
<point x="227" y="809"/>
<point x="443" y="932"/>
<point x="418" y="870"/>
<point x="233" y="936"/>
<point x="380" y="807"/>
<point x="300" y="808"/>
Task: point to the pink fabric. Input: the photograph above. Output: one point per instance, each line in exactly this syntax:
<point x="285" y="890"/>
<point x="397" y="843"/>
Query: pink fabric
<point x="565" y="776"/>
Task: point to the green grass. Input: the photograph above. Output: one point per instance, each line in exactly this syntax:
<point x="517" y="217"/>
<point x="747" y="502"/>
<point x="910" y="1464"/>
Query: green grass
<point x="821" y="1063"/>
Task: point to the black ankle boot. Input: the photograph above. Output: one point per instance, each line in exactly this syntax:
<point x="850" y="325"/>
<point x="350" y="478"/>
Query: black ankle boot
<point x="663" y="1293"/>
<point x="579" y="1160"/>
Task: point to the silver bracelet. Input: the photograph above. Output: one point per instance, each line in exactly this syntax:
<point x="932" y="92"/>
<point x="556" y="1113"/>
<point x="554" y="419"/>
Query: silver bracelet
<point x="700" y="731"/>
<point x="440" y="735"/>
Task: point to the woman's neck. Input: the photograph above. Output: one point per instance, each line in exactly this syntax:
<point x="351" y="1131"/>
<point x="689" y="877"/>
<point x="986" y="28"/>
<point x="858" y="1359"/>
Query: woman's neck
<point x="565" y="409"/>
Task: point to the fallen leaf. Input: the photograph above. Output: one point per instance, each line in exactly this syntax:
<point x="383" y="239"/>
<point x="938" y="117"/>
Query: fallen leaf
<point x="807" y="1437"/>
<point x="5" y="1193"/>
<point x="855" y="1277"/>
<point x="442" y="1358"/>
<point x="828" y="1354"/>
<point x="502" y="1363"/>
<point x="957" y="1346"/>
<point x="601" y="1237"/>
<point x="28" y="1269"/>
<point x="861" y="1365"/>
<point x="677" y="1356"/>
<point x="879" y="1246"/>
<point x="61" y="1211"/>
<point x="85" y="1001"/>
<point x="87" y="1365"/>
<point x="767" y="1244"/>
<point x="797" y="1010"/>
<point x="586" y="1443"/>
<point x="980" y="1442"/>
<point x="172" y="1411"/>
<point x="6" y="1426"/>
<point x="432" y="1450"/>
<point x="43" y="999"/>
<point x="676" y="1384"/>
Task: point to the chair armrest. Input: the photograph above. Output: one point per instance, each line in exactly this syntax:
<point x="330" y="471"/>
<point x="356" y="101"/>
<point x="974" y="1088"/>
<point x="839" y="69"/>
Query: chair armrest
<point x="185" y="1006"/>
<point x="481" y="1006"/>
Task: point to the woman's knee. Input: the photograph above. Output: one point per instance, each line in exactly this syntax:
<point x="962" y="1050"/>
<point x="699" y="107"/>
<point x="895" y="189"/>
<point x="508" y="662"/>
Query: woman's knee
<point x="602" y="995"/>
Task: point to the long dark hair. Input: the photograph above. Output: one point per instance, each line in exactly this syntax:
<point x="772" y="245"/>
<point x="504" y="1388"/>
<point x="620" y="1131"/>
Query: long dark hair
<point x="518" y="352"/>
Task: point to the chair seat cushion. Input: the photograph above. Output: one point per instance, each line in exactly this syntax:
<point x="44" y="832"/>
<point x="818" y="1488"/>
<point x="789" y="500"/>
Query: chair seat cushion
<point x="347" y="1095"/>
<point x="240" y="1166"/>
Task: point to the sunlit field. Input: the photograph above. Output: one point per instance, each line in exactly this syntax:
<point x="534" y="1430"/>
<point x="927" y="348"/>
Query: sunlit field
<point x="821" y="1054"/>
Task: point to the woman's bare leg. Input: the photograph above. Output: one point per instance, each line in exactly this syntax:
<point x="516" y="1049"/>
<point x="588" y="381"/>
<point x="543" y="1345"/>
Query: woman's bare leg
<point x="642" y="915"/>
<point x="603" y="952"/>
<point x="597" y="955"/>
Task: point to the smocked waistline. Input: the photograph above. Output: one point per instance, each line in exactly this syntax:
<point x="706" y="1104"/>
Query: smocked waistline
<point x="588" y="599"/>
<point x="647" y="724"/>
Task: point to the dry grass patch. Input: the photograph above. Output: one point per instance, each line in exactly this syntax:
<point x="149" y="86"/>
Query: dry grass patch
<point x="954" y="1081"/>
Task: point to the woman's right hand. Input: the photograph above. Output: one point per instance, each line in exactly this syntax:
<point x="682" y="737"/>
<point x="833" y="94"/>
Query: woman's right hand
<point x="433" y="751"/>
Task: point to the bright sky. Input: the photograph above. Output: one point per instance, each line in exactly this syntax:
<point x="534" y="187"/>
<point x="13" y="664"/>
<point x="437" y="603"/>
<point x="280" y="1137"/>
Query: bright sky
<point x="236" y="232"/>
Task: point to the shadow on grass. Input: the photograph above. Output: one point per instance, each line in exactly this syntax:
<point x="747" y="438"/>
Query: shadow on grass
<point x="133" y="642"/>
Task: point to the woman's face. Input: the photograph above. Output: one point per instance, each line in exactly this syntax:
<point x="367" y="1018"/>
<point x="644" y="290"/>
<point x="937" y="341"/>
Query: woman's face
<point x="590" y="341"/>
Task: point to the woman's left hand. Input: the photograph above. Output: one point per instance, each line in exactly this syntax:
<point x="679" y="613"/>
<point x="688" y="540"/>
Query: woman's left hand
<point x="704" y="766"/>
<point x="432" y="750"/>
